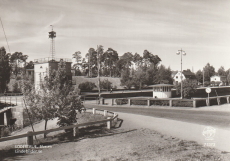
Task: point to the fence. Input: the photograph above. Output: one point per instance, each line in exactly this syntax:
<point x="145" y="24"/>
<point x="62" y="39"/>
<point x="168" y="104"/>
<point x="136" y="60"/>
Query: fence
<point x="30" y="134"/>
<point x="194" y="102"/>
<point x="11" y="98"/>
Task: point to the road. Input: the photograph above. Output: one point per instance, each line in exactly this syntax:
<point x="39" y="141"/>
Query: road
<point x="209" y="118"/>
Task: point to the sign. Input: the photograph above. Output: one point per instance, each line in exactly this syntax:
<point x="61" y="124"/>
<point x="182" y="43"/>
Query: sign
<point x="208" y="90"/>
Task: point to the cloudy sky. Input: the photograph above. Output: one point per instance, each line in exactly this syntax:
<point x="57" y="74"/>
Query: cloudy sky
<point x="200" y="27"/>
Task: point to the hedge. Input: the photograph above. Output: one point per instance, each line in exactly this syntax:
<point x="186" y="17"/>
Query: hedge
<point x="138" y="102"/>
<point x="159" y="102"/>
<point x="121" y="101"/>
<point x="182" y="103"/>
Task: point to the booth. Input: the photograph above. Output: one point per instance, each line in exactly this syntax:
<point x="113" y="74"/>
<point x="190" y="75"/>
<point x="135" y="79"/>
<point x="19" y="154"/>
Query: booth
<point x="162" y="90"/>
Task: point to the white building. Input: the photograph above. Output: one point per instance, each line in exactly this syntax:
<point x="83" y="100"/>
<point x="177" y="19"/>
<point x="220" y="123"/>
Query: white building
<point x="218" y="80"/>
<point x="43" y="66"/>
<point x="162" y="90"/>
<point x="186" y="74"/>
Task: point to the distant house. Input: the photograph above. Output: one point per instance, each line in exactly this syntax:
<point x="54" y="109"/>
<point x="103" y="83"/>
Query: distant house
<point x="186" y="74"/>
<point x="218" y="80"/>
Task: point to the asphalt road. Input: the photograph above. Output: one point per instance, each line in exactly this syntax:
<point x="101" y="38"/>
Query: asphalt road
<point x="209" y="118"/>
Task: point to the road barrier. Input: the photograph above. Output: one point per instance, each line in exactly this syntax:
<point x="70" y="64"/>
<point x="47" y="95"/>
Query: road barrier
<point x="30" y="134"/>
<point x="177" y="102"/>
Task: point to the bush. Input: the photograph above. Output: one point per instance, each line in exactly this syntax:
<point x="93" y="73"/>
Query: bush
<point x="159" y="102"/>
<point x="121" y="101"/>
<point x="189" y="88"/>
<point x="182" y="103"/>
<point x="139" y="102"/>
<point x="5" y="131"/>
<point x="105" y="84"/>
<point x="86" y="86"/>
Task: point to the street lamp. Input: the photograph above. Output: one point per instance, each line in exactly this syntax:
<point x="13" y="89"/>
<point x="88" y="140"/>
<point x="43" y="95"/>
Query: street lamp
<point x="181" y="52"/>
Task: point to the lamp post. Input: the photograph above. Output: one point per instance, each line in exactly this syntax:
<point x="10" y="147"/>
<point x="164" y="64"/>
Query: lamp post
<point x="181" y="52"/>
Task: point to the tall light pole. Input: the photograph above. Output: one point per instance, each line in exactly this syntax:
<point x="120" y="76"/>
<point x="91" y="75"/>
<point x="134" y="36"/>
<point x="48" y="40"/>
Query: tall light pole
<point x="181" y="52"/>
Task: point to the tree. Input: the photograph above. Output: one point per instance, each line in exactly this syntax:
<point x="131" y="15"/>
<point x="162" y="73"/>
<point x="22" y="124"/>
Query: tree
<point x="208" y="72"/>
<point x="5" y="69"/>
<point x="106" y="84"/>
<point x="54" y="98"/>
<point x="109" y="58"/>
<point x="164" y="75"/>
<point x="126" y="80"/>
<point x="78" y="57"/>
<point x="92" y="61"/>
<point x="30" y="65"/>
<point x="16" y="59"/>
<point x="199" y="76"/>
<point x="149" y="58"/>
<point x="86" y="86"/>
<point x="221" y="71"/>
<point x="189" y="88"/>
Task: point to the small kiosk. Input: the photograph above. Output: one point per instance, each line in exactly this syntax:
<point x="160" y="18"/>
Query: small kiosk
<point x="162" y="90"/>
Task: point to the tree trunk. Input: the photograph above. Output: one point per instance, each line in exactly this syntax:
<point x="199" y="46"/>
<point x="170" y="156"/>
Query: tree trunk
<point x="45" y="127"/>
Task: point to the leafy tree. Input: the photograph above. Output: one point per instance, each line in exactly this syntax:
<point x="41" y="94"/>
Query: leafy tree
<point x="137" y="59"/>
<point x="221" y="71"/>
<point x="86" y="86"/>
<point x="208" y="72"/>
<point x="109" y="58"/>
<point x="189" y="88"/>
<point x="199" y="76"/>
<point x="5" y="69"/>
<point x="92" y="61"/>
<point x="78" y="58"/>
<point x="106" y="84"/>
<point x="16" y="59"/>
<point x="126" y="80"/>
<point x="54" y="98"/>
<point x="30" y="65"/>
<point x="164" y="75"/>
<point x="149" y="58"/>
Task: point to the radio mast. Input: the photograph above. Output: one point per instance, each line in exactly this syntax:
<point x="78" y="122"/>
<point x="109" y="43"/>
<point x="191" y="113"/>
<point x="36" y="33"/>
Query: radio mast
<point x="52" y="36"/>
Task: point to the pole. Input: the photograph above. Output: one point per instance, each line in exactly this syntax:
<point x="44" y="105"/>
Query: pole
<point x="181" y="77"/>
<point x="203" y="77"/>
<point x="98" y="66"/>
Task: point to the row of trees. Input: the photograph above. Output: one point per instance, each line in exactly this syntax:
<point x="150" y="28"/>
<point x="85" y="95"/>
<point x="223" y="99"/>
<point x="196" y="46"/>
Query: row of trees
<point x="11" y="65"/>
<point x="209" y="71"/>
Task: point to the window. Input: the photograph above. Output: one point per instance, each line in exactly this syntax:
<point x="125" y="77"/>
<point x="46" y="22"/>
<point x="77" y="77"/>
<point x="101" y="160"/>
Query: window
<point x="176" y="77"/>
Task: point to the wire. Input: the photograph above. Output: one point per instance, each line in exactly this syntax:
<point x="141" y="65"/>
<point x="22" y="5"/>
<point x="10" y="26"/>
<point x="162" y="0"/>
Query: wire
<point x="5" y="35"/>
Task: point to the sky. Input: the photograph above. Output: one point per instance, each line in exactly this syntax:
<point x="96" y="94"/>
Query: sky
<point x="201" y="28"/>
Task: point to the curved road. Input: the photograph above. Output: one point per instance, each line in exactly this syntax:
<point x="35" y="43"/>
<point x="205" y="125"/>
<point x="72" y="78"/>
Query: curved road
<point x="209" y="118"/>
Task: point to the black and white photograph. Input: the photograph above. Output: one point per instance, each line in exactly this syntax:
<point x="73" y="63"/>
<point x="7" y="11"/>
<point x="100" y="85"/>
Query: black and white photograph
<point x="114" y="80"/>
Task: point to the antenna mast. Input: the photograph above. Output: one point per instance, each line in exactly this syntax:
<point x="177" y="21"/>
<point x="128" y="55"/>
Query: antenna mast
<point x="52" y="36"/>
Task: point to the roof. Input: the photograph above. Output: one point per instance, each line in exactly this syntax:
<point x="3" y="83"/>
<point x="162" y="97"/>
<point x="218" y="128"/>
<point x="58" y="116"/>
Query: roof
<point x="161" y="85"/>
<point x="174" y="73"/>
<point x="189" y="74"/>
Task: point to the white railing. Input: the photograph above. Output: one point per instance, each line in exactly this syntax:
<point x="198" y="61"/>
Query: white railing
<point x="30" y="134"/>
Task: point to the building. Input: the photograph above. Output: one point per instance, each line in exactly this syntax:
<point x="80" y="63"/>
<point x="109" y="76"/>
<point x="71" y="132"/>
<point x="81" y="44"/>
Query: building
<point x="162" y="90"/>
<point x="186" y="74"/>
<point x="218" y="80"/>
<point x="44" y="65"/>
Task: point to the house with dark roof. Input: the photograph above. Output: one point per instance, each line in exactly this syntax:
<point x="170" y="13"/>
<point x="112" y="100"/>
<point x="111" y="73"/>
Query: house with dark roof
<point x="186" y="74"/>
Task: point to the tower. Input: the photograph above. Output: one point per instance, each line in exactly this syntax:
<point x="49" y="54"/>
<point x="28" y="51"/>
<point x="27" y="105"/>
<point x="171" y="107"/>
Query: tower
<point x="52" y="36"/>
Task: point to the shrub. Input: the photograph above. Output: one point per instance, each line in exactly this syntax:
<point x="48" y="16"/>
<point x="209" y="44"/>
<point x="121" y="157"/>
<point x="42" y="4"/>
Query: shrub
<point x="138" y="102"/>
<point x="189" y="88"/>
<point x="105" y="84"/>
<point x="86" y="86"/>
<point x="159" y="102"/>
<point x="121" y="101"/>
<point x="182" y="103"/>
<point x="5" y="131"/>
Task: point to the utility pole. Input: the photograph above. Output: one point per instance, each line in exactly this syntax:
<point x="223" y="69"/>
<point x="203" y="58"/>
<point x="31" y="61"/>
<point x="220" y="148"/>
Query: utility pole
<point x="203" y="77"/>
<point x="98" y="67"/>
<point x="181" y="52"/>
